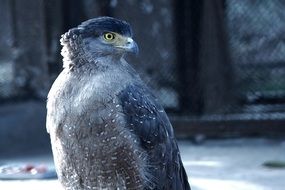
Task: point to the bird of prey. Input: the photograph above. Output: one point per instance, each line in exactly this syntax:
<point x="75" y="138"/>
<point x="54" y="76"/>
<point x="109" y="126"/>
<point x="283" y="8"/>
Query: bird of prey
<point x="107" y="129"/>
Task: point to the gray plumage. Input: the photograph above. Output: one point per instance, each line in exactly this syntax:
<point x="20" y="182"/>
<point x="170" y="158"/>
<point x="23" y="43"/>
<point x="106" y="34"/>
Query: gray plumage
<point x="107" y="129"/>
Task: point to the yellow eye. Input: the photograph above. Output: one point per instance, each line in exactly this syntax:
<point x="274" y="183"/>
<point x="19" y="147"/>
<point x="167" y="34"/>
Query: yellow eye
<point x="109" y="36"/>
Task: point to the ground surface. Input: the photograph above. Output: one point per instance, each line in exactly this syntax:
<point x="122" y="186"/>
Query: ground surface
<point x="213" y="165"/>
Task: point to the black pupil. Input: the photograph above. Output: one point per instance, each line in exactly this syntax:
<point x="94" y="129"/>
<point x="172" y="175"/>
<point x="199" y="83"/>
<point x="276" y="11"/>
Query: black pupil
<point x="109" y="36"/>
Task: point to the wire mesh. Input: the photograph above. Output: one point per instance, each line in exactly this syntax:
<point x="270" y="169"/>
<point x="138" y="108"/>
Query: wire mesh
<point x="257" y="32"/>
<point x="200" y="57"/>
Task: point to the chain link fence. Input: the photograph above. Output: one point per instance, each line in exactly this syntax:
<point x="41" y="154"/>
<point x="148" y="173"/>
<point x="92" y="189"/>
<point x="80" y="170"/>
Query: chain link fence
<point x="200" y="57"/>
<point x="256" y="37"/>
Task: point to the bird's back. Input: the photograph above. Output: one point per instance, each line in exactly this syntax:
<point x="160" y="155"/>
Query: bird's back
<point x="148" y="120"/>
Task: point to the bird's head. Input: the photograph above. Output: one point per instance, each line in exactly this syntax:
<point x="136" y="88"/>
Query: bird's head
<point x="103" y="36"/>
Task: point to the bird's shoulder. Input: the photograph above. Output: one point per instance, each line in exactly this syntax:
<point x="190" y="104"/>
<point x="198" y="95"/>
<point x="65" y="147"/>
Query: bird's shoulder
<point x="147" y="119"/>
<point x="144" y="115"/>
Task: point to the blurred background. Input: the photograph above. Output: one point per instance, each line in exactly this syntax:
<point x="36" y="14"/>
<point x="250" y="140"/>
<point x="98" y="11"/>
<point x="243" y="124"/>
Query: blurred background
<point x="217" y="66"/>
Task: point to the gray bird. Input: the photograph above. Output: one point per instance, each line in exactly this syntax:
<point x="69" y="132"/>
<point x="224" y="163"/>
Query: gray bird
<point x="106" y="127"/>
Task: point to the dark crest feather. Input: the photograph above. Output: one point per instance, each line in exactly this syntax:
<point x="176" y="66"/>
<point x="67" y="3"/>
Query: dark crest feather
<point x="97" y="26"/>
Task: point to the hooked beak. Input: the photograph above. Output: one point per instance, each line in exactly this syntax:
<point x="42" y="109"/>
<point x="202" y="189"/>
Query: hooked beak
<point x="130" y="46"/>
